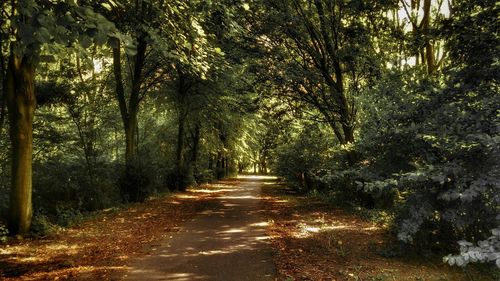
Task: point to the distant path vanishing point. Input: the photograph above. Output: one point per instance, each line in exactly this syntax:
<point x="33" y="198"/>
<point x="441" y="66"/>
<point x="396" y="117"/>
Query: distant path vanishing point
<point x="228" y="242"/>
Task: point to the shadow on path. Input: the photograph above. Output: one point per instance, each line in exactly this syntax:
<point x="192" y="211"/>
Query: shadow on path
<point x="228" y="242"/>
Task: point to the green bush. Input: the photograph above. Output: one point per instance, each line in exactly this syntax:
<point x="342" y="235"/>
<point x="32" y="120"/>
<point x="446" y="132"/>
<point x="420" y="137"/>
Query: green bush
<point x="4" y="232"/>
<point x="67" y="216"/>
<point x="42" y="226"/>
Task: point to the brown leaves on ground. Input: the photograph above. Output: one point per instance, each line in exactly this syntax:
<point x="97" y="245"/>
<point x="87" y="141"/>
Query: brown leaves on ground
<point x="100" y="247"/>
<point x="314" y="241"/>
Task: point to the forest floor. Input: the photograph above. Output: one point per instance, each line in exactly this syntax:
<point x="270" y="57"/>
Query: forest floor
<point x="195" y="234"/>
<point x="315" y="241"/>
<point x="104" y="244"/>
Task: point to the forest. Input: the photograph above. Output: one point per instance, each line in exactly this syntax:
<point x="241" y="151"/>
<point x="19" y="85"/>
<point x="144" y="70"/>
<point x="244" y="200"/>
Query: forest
<point x="385" y="107"/>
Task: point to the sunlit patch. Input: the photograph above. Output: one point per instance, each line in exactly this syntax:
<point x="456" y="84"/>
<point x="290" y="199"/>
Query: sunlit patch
<point x="260" y="224"/>
<point x="186" y="196"/>
<point x="239" y="197"/>
<point x="181" y="277"/>
<point x="63" y="247"/>
<point x="371" y="228"/>
<point x="204" y="190"/>
<point x="31" y="259"/>
<point x="124" y="257"/>
<point x="234" y="230"/>
<point x="214" y="252"/>
<point x="312" y="229"/>
<point x="260" y="238"/>
<point x="257" y="177"/>
<point x="211" y="212"/>
<point x="319" y="226"/>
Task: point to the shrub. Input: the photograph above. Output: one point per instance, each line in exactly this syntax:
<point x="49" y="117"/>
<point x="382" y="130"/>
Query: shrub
<point x="135" y="184"/>
<point x="42" y="226"/>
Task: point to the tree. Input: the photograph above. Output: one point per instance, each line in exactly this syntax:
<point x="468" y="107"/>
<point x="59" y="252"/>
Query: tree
<point x="328" y="54"/>
<point x="170" y="40"/>
<point x="425" y="16"/>
<point x="37" y="28"/>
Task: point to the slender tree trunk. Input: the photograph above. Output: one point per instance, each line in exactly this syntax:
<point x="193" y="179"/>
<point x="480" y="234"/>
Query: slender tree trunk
<point x="223" y="167"/>
<point x="131" y="127"/>
<point x="227" y="167"/>
<point x="195" y="137"/>
<point x="179" y="157"/>
<point x="21" y="102"/>
<point x="210" y="162"/>
<point x="415" y="6"/>
<point x="429" y="48"/>
<point x="181" y="170"/>
<point x="219" y="165"/>
<point x="3" y="97"/>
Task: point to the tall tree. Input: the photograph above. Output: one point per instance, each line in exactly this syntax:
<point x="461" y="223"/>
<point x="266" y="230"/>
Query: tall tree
<point x="169" y="39"/>
<point x="151" y="26"/>
<point x="328" y="52"/>
<point x="425" y="16"/>
<point x="32" y="27"/>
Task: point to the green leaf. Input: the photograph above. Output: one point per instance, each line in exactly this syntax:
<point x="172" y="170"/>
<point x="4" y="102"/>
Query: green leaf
<point x="43" y="35"/>
<point x="100" y="38"/>
<point x="131" y="50"/>
<point x="107" y="6"/>
<point x="85" y="41"/>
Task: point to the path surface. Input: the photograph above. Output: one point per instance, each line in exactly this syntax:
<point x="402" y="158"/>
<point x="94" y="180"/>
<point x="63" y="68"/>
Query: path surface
<point x="228" y="242"/>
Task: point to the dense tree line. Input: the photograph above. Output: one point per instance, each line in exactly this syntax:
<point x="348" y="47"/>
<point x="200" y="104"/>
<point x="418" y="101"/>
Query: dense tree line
<point x="77" y="77"/>
<point x="416" y="82"/>
<point x="388" y="105"/>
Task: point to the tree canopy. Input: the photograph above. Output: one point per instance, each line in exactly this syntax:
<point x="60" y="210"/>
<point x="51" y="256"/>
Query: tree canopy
<point x="384" y="105"/>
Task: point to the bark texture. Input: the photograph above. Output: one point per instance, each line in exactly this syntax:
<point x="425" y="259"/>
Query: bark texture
<point x="21" y="103"/>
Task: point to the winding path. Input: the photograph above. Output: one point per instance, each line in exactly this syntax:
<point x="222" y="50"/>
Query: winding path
<point x="228" y="242"/>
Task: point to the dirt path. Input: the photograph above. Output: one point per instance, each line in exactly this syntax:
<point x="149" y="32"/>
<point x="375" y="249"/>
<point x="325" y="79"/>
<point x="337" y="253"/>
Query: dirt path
<point x="228" y="242"/>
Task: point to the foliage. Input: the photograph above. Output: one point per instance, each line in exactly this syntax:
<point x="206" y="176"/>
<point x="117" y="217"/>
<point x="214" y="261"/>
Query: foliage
<point x="485" y="251"/>
<point x="428" y="144"/>
<point x="384" y="105"/>
<point x="4" y="232"/>
<point x="298" y="160"/>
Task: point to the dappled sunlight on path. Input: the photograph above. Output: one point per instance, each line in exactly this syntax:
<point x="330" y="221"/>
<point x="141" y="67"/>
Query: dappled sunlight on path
<point x="227" y="242"/>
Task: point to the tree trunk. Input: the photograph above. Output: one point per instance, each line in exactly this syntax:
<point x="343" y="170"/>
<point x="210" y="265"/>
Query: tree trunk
<point x="226" y="168"/>
<point x="195" y="137"/>
<point x="181" y="167"/>
<point x="210" y="162"/>
<point x="348" y="133"/>
<point x="129" y="110"/>
<point x="240" y="168"/>
<point x="219" y="165"/>
<point x="193" y="161"/>
<point x="132" y="182"/>
<point x="131" y="127"/>
<point x="223" y="167"/>
<point x="21" y="102"/>
<point x="3" y="102"/>
<point x="179" y="156"/>
<point x="429" y="48"/>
